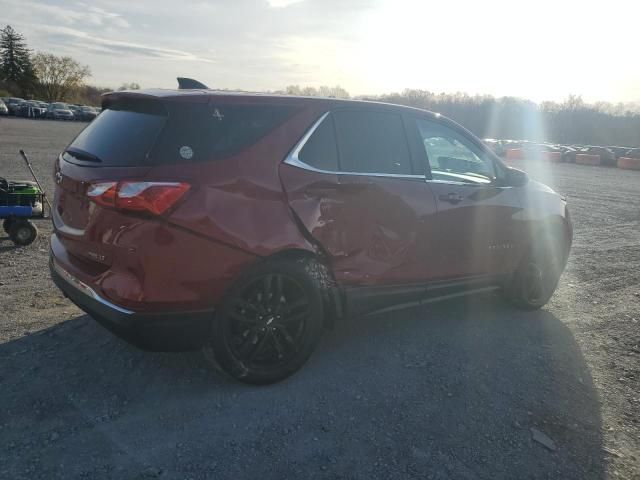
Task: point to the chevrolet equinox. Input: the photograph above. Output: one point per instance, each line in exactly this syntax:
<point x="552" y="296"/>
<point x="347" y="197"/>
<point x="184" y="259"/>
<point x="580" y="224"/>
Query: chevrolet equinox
<point x="244" y="224"/>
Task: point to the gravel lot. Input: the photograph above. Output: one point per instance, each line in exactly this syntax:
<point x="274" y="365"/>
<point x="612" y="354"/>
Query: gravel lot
<point x="455" y="390"/>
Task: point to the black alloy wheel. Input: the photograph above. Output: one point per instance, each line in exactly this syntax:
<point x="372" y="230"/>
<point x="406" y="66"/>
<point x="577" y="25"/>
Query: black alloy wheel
<point x="534" y="284"/>
<point x="269" y="324"/>
<point x="535" y="281"/>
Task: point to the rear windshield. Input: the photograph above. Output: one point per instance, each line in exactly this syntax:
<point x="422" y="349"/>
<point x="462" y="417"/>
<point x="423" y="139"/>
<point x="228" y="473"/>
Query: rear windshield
<point x="116" y="137"/>
<point x="173" y="133"/>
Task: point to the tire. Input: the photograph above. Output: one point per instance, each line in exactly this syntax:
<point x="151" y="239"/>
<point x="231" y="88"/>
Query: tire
<point x="6" y="225"/>
<point x="269" y="323"/>
<point x="535" y="281"/>
<point x="23" y="232"/>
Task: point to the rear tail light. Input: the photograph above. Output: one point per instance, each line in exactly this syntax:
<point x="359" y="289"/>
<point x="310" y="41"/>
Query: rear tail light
<point x="103" y="193"/>
<point x="150" y="197"/>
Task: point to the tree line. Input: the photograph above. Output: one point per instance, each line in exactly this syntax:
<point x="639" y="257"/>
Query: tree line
<point x="570" y="122"/>
<point x="41" y="74"/>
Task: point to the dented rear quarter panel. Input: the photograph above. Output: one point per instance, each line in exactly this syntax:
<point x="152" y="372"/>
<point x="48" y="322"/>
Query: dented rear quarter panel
<point x="239" y="201"/>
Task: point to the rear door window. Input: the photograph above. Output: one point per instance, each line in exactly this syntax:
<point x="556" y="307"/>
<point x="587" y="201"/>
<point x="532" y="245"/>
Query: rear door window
<point x="320" y="150"/>
<point x="372" y="142"/>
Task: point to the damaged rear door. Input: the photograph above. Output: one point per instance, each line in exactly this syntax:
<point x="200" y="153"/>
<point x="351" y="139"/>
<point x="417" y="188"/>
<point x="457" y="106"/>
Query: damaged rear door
<point x="352" y="184"/>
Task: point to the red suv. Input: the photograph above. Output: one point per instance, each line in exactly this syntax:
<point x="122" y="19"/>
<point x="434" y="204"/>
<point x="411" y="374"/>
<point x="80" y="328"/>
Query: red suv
<point x="244" y="224"/>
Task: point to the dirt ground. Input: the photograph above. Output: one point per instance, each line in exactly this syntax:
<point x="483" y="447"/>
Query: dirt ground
<point x="454" y="390"/>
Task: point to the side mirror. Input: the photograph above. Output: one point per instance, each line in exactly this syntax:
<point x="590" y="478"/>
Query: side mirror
<point x="516" y="178"/>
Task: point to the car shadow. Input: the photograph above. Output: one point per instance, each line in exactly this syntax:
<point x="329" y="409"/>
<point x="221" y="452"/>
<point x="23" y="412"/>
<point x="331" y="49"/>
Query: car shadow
<point x="450" y="390"/>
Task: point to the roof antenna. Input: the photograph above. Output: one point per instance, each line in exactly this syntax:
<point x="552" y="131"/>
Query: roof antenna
<point x="190" y="84"/>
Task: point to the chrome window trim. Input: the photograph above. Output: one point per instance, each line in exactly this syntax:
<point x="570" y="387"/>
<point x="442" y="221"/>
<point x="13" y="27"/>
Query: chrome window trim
<point x="293" y="159"/>
<point x="86" y="289"/>
<point x="462" y="184"/>
<point x="452" y="182"/>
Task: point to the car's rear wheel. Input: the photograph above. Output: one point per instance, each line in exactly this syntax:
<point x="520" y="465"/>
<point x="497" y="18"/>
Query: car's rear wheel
<point x="269" y="323"/>
<point x="535" y="281"/>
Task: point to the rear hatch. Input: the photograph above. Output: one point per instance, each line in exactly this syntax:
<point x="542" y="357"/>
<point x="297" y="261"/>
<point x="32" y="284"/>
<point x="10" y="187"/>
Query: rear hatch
<point x="141" y="137"/>
<point x="116" y="145"/>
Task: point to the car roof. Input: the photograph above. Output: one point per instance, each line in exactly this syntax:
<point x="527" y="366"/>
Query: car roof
<point x="175" y="94"/>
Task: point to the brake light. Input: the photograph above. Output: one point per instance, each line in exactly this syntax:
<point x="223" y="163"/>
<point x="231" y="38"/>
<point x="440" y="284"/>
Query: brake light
<point x="151" y="197"/>
<point x="103" y="193"/>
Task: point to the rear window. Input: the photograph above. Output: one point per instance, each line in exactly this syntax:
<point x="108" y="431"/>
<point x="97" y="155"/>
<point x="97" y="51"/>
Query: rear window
<point x="209" y="131"/>
<point x="117" y="137"/>
<point x="174" y="132"/>
<point x="320" y="150"/>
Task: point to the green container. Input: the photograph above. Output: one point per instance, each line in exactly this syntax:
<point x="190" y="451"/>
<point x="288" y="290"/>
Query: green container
<point x="21" y="194"/>
<point x="27" y="190"/>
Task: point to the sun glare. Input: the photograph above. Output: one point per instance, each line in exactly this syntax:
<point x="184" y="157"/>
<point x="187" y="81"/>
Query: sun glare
<point x="539" y="50"/>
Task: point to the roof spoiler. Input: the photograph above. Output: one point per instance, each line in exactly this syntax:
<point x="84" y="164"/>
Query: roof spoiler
<point x="190" y="84"/>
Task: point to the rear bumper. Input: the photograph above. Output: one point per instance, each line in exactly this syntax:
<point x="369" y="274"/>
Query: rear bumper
<point x="158" y="332"/>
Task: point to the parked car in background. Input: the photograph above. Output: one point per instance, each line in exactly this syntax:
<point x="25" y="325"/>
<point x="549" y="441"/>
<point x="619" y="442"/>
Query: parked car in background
<point x="59" y="111"/>
<point x="496" y="145"/>
<point x="607" y="157"/>
<point x="87" y="113"/>
<point x="3" y="108"/>
<point x="31" y="109"/>
<point x="537" y="150"/>
<point x="24" y="109"/>
<point x="245" y="224"/>
<point x="619" y="151"/>
<point x="13" y="105"/>
<point x="77" y="112"/>
<point x="633" y="153"/>
<point x="568" y="154"/>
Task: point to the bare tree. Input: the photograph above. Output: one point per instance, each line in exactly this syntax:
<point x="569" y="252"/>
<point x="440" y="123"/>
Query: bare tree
<point x="87" y="95"/>
<point x="571" y="121"/>
<point x="58" y="76"/>
<point x="322" y="91"/>
<point x="129" y="86"/>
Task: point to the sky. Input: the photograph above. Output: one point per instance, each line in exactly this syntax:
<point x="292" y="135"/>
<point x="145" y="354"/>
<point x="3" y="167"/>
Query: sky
<point x="540" y="50"/>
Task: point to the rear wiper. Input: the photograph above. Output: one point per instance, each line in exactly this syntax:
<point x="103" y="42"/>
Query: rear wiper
<point x="82" y="155"/>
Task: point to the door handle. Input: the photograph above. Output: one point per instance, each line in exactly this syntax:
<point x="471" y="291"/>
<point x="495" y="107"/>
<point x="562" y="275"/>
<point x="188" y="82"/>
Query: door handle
<point x="451" y="198"/>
